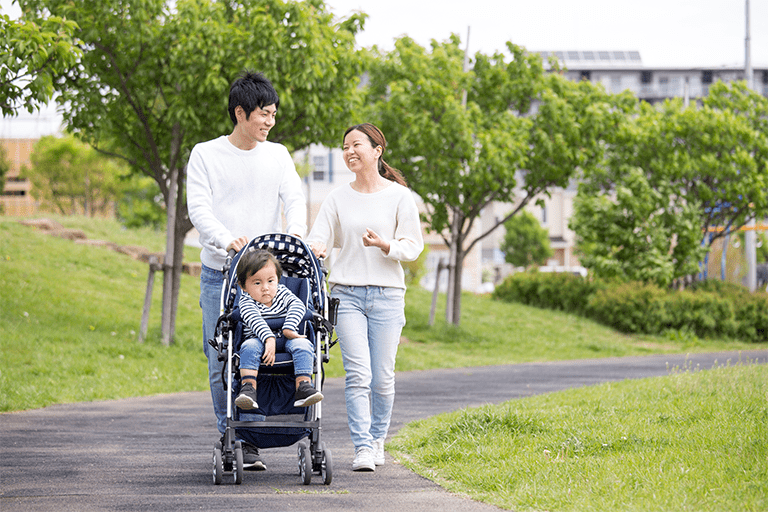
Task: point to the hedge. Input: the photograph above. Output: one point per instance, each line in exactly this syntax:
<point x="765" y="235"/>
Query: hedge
<point x="708" y="309"/>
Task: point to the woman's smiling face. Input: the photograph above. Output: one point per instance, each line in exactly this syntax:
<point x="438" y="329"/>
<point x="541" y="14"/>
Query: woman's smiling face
<point x="359" y="153"/>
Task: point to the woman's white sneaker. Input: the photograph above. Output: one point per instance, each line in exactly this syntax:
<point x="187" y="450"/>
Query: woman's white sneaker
<point x="363" y="460"/>
<point x="378" y="452"/>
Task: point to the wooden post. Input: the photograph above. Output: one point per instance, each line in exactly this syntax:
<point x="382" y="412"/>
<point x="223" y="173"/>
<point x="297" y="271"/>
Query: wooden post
<point x="154" y="266"/>
<point x="440" y="267"/>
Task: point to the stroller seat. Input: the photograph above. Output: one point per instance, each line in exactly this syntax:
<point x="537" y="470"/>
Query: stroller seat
<point x="283" y="361"/>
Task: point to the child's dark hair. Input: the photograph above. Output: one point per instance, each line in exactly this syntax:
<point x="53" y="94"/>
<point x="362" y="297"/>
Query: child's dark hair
<point x="254" y="260"/>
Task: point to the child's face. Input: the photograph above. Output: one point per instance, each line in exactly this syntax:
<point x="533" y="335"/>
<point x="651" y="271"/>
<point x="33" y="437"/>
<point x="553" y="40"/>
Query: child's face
<point x="262" y="286"/>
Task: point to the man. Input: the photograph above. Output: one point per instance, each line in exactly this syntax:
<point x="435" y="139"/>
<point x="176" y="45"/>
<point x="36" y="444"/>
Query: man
<point x="235" y="186"/>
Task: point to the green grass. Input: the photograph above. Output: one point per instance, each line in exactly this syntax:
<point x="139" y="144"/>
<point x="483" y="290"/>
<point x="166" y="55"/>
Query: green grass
<point x="690" y="441"/>
<point x="70" y="315"/>
<point x="495" y="332"/>
<point x="69" y="322"/>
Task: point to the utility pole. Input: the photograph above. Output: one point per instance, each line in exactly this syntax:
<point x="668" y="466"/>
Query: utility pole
<point x="749" y="235"/>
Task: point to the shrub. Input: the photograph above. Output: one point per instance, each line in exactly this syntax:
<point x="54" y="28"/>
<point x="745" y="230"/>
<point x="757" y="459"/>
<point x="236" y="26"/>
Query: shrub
<point x="561" y="291"/>
<point x="628" y="307"/>
<point x="707" y="314"/>
<point x="708" y="309"/>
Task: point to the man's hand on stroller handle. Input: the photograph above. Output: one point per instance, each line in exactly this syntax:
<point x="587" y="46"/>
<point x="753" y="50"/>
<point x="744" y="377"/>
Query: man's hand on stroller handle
<point x="269" y="352"/>
<point x="237" y="244"/>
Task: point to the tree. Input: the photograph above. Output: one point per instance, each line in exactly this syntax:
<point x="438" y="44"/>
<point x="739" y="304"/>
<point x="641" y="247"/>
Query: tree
<point x="676" y="176"/>
<point x="525" y="242"/>
<point x="32" y="55"/>
<point x="71" y="177"/>
<point x="154" y="78"/>
<point x="629" y="235"/>
<point x="462" y="155"/>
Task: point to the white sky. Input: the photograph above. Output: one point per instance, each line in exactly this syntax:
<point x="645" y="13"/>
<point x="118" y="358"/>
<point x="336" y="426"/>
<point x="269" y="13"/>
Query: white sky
<point x="667" y="33"/>
<point x="679" y="33"/>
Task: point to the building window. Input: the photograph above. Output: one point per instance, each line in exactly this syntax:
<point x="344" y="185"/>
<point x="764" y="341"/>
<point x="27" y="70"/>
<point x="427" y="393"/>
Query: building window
<point x="319" y="164"/>
<point x="645" y="77"/>
<point x="586" y="75"/>
<point x="706" y="77"/>
<point x="616" y="84"/>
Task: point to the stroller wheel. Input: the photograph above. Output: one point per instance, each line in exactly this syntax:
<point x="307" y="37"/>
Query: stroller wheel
<point x="218" y="464"/>
<point x="326" y="464"/>
<point x="305" y="463"/>
<point x="238" y="469"/>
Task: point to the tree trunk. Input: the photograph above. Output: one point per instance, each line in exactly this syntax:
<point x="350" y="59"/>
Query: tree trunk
<point x="455" y="268"/>
<point x="169" y="308"/>
<point x="451" y="288"/>
<point x="457" y="275"/>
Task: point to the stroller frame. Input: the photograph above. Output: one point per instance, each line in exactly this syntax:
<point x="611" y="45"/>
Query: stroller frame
<point x="313" y="455"/>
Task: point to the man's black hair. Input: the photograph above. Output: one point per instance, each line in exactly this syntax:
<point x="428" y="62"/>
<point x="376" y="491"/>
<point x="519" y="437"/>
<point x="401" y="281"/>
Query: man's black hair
<point x="250" y="91"/>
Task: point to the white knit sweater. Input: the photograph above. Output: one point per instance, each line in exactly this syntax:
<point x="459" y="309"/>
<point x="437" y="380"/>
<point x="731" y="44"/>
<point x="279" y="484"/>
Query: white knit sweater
<point x="342" y="221"/>
<point x="233" y="193"/>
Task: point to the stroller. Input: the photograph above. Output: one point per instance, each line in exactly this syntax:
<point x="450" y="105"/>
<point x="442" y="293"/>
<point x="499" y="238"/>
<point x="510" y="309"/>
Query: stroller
<point x="277" y="422"/>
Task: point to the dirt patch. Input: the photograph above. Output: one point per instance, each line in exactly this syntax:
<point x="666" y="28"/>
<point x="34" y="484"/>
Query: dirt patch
<point x="53" y="228"/>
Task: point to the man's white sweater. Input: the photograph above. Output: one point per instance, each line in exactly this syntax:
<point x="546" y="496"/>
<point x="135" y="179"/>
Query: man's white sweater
<point x="233" y="193"/>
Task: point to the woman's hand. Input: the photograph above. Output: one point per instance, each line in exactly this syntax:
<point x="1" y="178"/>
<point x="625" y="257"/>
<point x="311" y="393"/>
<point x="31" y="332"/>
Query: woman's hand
<point x="319" y="249"/>
<point x="371" y="239"/>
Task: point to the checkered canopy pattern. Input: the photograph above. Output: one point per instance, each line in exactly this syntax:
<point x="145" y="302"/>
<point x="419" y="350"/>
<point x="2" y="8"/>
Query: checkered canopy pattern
<point x="296" y="259"/>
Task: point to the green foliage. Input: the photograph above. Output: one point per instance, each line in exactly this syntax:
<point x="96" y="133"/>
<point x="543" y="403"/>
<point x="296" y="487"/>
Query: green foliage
<point x="32" y="55"/>
<point x="711" y="309"/>
<point x="525" y="242"/>
<point x="691" y="440"/>
<point x="141" y="204"/>
<point x="672" y="173"/>
<point x="560" y="291"/>
<point x="153" y="81"/>
<point x="460" y="156"/>
<point x="71" y="177"/>
<point x="630" y="236"/>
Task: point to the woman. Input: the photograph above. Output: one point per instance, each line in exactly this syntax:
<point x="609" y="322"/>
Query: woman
<point x="374" y="222"/>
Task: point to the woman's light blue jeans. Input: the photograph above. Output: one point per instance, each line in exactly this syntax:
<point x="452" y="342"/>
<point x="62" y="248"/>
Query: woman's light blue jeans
<point x="370" y="321"/>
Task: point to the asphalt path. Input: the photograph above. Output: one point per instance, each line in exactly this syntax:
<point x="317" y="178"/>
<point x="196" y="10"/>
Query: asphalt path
<point x="154" y="453"/>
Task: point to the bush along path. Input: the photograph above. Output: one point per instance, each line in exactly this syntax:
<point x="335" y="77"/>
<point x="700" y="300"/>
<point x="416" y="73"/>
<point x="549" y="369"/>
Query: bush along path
<point x="708" y="309"/>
